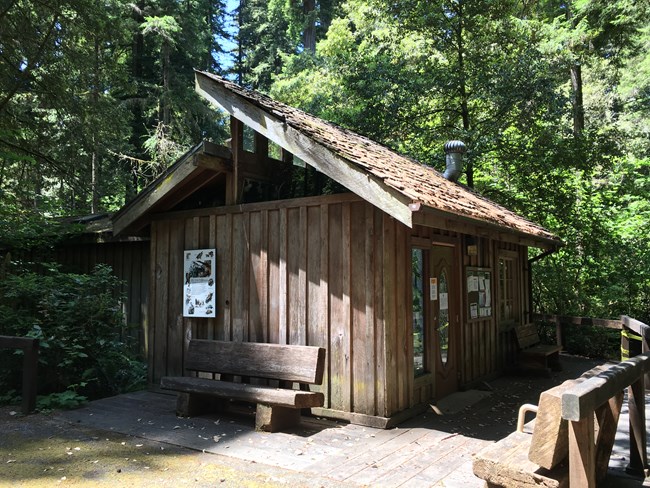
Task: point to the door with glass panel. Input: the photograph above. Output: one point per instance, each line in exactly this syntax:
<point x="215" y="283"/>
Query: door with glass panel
<point x="445" y="316"/>
<point x="435" y="317"/>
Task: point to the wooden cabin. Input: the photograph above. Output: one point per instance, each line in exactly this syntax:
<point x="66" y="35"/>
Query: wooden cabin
<point x="412" y="283"/>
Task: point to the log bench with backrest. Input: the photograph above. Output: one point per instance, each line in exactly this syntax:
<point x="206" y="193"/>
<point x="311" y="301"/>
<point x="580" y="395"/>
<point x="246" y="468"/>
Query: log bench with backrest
<point x="573" y="434"/>
<point x="239" y="365"/>
<point x="532" y="354"/>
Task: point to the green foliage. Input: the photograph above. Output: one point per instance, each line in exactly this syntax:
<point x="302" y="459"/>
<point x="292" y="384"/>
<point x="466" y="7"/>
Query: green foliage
<point x="80" y="326"/>
<point x="414" y="74"/>
<point x="594" y="342"/>
<point x="97" y="98"/>
<point x="64" y="400"/>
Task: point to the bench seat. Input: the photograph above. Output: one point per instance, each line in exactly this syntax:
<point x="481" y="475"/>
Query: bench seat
<point x="505" y="463"/>
<point x="244" y="392"/>
<point x="277" y="408"/>
<point x="532" y="354"/>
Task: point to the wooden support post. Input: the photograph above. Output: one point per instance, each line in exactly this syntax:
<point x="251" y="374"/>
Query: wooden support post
<point x="559" y="331"/>
<point x="30" y="376"/>
<point x="582" y="453"/>
<point x="638" y="444"/>
<point x="273" y="418"/>
<point x="625" y="344"/>
<point x="29" y="346"/>
<point x="237" y="148"/>
<point x="261" y="148"/>
<point x="641" y="329"/>
<point x="607" y="416"/>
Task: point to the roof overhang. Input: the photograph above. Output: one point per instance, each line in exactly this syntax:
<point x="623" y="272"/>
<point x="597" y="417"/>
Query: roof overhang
<point x="196" y="168"/>
<point x="396" y="188"/>
<point x="273" y="127"/>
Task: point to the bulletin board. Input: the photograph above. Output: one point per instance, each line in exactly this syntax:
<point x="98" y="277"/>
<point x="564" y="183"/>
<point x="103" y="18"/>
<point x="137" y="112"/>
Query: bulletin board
<point x="479" y="293"/>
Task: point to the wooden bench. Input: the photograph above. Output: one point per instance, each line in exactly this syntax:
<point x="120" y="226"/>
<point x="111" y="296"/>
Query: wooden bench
<point x="533" y="355"/>
<point x="572" y="436"/>
<point x="248" y="372"/>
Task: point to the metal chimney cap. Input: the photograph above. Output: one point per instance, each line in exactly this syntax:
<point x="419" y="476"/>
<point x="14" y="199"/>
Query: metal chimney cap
<point x="455" y="147"/>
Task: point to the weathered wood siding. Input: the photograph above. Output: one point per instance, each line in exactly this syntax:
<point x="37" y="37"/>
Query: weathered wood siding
<point x="488" y="347"/>
<point x="129" y="261"/>
<point x="325" y="271"/>
<point x="333" y="272"/>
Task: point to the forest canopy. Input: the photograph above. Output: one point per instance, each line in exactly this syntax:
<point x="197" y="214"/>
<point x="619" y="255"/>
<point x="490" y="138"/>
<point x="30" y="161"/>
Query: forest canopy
<point x="551" y="98"/>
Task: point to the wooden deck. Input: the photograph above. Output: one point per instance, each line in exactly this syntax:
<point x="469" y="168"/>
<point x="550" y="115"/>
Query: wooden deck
<point x="429" y="450"/>
<point x="351" y="454"/>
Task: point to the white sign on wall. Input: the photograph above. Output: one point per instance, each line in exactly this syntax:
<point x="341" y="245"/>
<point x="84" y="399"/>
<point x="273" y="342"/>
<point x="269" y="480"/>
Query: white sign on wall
<point x="199" y="288"/>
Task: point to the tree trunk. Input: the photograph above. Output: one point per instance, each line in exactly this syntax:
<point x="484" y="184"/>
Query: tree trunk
<point x="462" y="90"/>
<point x="165" y="96"/>
<point x="240" y="43"/>
<point x="578" y="106"/>
<point x="138" y="124"/>
<point x="576" y="83"/>
<point x="94" y="163"/>
<point x="309" y="34"/>
<point x="213" y="34"/>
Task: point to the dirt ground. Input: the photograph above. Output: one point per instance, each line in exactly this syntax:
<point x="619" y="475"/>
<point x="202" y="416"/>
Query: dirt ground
<point x="39" y="450"/>
<point x="43" y="450"/>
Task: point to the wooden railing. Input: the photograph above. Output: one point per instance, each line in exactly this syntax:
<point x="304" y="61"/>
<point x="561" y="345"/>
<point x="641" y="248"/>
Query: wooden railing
<point x="601" y="396"/>
<point x="563" y="321"/>
<point x="599" y="400"/>
<point x="29" y="347"/>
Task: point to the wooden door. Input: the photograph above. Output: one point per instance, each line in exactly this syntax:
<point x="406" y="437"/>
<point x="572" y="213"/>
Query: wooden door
<point x="445" y="314"/>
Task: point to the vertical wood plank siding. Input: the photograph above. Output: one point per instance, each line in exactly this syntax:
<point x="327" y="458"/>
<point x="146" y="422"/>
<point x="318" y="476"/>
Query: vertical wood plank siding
<point x="313" y="274"/>
<point x="333" y="272"/>
<point x="129" y="262"/>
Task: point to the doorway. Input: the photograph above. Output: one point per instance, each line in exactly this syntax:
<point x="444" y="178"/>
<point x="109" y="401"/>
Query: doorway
<point x="445" y="317"/>
<point x="436" y="312"/>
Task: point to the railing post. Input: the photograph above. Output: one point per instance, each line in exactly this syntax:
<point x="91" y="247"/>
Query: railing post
<point x="638" y="444"/>
<point x="582" y="452"/>
<point x="559" y="331"/>
<point x="30" y="376"/>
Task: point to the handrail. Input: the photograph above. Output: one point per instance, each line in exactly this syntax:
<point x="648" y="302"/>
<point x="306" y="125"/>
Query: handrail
<point x="605" y="390"/>
<point x="29" y="347"/>
<point x="582" y="399"/>
<point x="579" y="321"/>
<point x="636" y="326"/>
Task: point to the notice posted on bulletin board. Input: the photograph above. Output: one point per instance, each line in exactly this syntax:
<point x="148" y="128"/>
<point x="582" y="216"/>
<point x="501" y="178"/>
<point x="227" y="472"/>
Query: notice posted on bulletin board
<point x="479" y="292"/>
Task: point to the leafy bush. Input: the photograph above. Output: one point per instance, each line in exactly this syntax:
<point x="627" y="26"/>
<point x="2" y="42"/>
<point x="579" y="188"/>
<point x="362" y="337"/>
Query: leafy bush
<point x="594" y="342"/>
<point x="80" y="325"/>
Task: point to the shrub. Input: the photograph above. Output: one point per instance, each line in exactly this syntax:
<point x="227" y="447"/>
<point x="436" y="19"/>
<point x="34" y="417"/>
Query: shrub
<point x="80" y="325"/>
<point x="589" y="341"/>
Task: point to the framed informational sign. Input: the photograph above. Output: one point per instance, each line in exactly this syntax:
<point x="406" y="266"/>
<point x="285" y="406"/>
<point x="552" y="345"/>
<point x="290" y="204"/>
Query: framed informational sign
<point x="479" y="293"/>
<point x="199" y="289"/>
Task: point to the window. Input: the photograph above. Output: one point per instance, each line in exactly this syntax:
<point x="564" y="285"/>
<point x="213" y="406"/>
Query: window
<point x="508" y="303"/>
<point x="417" y="266"/>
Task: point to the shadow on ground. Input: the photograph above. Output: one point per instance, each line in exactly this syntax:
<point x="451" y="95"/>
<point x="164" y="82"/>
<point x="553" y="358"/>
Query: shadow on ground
<point x="494" y="416"/>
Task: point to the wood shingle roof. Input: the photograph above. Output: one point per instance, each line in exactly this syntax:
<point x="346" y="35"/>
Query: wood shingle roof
<point x="376" y="173"/>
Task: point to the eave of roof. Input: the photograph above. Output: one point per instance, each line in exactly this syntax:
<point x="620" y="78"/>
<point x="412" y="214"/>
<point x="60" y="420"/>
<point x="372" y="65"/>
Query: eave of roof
<point x="376" y="173"/>
<point x="183" y="172"/>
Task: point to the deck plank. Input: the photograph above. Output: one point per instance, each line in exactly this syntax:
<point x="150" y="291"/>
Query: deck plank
<point x="412" y="455"/>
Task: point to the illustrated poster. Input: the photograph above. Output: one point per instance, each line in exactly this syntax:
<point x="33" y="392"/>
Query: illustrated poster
<point x="199" y="290"/>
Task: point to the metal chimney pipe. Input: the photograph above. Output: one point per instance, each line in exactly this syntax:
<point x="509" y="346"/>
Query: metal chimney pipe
<point x="454" y="151"/>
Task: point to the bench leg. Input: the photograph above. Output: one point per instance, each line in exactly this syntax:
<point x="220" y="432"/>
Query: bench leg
<point x="554" y="362"/>
<point x="274" y="419"/>
<point x="192" y="405"/>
